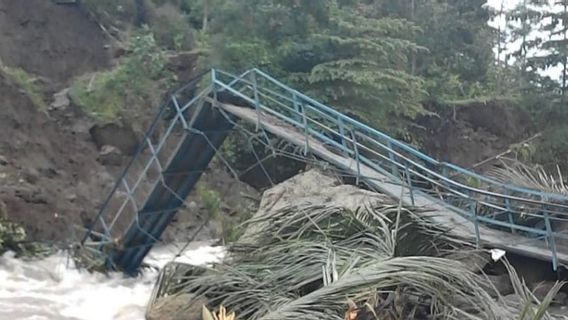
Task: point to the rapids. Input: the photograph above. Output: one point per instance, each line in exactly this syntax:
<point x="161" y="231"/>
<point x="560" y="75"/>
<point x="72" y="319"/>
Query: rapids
<point x="52" y="289"/>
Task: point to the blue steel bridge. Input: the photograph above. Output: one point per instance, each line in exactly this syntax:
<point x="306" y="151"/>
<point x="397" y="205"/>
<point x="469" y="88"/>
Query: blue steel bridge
<point x="188" y="131"/>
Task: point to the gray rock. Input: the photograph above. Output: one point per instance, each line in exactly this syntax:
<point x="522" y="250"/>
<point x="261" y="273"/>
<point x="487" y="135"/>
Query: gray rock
<point x="30" y="175"/>
<point x="541" y="289"/>
<point x="3" y="210"/>
<point x="177" y="307"/>
<point x="71" y="197"/>
<point x="474" y="261"/>
<point x="3" y="161"/>
<point x="120" y="136"/>
<point x="31" y="195"/>
<point x="60" y="100"/>
<point x="110" y="156"/>
<point x="513" y="300"/>
<point x="310" y="187"/>
<point x="501" y="283"/>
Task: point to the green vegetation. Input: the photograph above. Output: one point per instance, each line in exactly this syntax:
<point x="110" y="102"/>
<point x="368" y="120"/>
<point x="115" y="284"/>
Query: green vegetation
<point x="318" y="261"/>
<point x="27" y="82"/>
<point x="231" y="227"/>
<point x="382" y="61"/>
<point x="168" y="23"/>
<point x="13" y="238"/>
<point x="134" y="83"/>
<point x="210" y="198"/>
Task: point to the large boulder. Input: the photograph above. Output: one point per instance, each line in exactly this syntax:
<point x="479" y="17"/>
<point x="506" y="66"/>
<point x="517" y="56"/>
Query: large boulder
<point x="309" y="188"/>
<point x="3" y="210"/>
<point x="177" y="307"/>
<point x="122" y="137"/>
<point x="500" y="284"/>
<point x="541" y="289"/>
<point x="110" y="156"/>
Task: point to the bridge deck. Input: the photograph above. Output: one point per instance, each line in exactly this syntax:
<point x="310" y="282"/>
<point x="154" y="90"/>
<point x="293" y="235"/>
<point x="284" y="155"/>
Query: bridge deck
<point x="373" y="156"/>
<point x="437" y="211"/>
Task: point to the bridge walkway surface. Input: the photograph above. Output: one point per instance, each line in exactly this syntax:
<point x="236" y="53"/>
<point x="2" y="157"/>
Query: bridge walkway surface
<point x="147" y="196"/>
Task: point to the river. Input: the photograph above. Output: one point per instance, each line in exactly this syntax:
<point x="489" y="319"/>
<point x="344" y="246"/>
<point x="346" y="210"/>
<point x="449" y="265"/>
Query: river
<point x="51" y="289"/>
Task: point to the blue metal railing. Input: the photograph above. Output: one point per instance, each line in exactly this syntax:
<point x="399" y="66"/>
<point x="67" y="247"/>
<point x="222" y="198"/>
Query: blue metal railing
<point x="492" y="203"/>
<point x="531" y="213"/>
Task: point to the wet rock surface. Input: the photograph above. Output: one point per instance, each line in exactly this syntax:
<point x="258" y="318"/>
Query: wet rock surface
<point x="177" y="307"/>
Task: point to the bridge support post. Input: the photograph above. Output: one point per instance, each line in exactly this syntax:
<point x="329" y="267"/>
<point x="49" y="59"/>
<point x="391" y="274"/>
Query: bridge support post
<point x="306" y="130"/>
<point x="509" y="213"/>
<point x="179" y="112"/>
<point x="550" y="237"/>
<point x="256" y="99"/>
<point x="394" y="169"/>
<point x="473" y="208"/>
<point x="356" y="151"/>
<point x="214" y="84"/>
<point x="297" y="108"/>
<point x="342" y="133"/>
<point x="409" y="182"/>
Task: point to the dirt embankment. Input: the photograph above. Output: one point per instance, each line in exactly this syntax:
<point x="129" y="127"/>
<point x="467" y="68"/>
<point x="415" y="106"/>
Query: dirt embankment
<point x="53" y="171"/>
<point x="475" y="132"/>
<point x="49" y="176"/>
<point x="53" y="41"/>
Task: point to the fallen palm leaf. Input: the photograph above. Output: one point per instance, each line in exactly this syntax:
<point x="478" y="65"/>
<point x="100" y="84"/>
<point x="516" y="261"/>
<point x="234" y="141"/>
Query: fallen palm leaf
<point x="222" y="315"/>
<point x="306" y="259"/>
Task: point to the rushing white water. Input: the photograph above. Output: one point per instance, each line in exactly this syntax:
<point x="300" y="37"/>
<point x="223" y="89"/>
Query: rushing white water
<point x="51" y="289"/>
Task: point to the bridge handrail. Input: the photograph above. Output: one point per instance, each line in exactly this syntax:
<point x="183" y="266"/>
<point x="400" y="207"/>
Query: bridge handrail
<point x="411" y="150"/>
<point x="508" y="199"/>
<point x="446" y="179"/>
<point x="417" y="153"/>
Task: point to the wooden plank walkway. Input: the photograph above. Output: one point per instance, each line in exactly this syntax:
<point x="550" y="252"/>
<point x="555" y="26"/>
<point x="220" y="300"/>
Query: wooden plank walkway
<point x="437" y="211"/>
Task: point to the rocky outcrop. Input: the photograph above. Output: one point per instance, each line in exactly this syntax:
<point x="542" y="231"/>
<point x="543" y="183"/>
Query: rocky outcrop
<point x="178" y="307"/>
<point x="110" y="156"/>
<point x="312" y="187"/>
<point x="119" y="136"/>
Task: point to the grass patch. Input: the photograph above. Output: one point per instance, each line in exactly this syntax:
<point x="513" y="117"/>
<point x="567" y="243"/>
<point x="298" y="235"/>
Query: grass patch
<point x="231" y="226"/>
<point x="130" y="86"/>
<point x="99" y="95"/>
<point x="27" y="82"/>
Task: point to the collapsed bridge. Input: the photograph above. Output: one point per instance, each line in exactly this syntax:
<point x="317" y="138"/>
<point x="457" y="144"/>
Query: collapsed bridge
<point x="189" y="130"/>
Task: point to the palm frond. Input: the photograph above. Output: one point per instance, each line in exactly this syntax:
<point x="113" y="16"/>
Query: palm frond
<point x="308" y="261"/>
<point x="517" y="173"/>
<point x="527" y="306"/>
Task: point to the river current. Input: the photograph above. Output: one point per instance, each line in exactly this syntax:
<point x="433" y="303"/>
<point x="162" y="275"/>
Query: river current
<point x="52" y="289"/>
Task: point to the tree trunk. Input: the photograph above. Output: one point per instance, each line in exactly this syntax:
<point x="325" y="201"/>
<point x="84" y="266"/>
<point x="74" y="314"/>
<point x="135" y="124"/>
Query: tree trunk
<point x="564" y="62"/>
<point x="501" y="45"/>
<point x="413" y="18"/>
<point x="205" y="22"/>
<point x="140" y="13"/>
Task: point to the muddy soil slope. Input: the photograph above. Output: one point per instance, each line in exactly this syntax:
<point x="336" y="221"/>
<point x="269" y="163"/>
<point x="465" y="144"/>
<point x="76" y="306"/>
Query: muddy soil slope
<point x="49" y="176"/>
<point x="475" y="132"/>
<point x="53" y="41"/>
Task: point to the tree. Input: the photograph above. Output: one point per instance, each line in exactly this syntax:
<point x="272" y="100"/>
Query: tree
<point x="341" y="52"/>
<point x="365" y="71"/>
<point x="458" y="39"/>
<point x="557" y="44"/>
<point x="140" y="13"/>
<point x="525" y="17"/>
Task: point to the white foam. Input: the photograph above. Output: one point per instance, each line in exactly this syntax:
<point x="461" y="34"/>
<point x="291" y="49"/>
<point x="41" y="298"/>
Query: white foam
<point x="52" y="289"/>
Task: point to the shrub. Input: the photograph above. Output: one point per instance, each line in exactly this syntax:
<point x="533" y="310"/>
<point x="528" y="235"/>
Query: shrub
<point x="552" y="148"/>
<point x="134" y="83"/>
<point x="171" y="28"/>
<point x="28" y="83"/>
